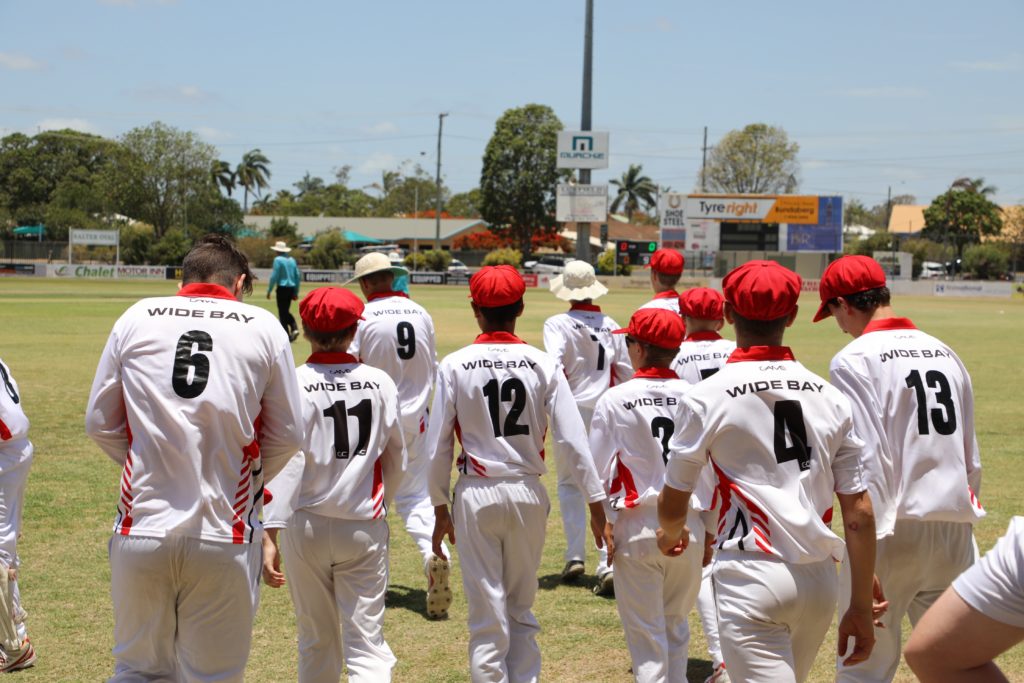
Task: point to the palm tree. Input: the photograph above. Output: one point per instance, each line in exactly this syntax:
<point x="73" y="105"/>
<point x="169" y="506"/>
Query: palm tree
<point x="635" y="190"/>
<point x="222" y="175"/>
<point x="974" y="185"/>
<point x="253" y="174"/>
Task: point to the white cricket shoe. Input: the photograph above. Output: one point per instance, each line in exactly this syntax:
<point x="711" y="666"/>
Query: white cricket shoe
<point x="439" y="593"/>
<point x="719" y="675"/>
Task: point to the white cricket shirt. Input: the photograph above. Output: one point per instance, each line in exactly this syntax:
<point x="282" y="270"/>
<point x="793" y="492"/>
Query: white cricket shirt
<point x="495" y="396"/>
<point x="195" y="397"/>
<point x="913" y="406"/>
<point x="667" y="300"/>
<point x="594" y="358"/>
<point x="701" y="355"/>
<point x="14" y="444"/>
<point x="353" y="451"/>
<point x="781" y="442"/>
<point x="397" y="336"/>
<point x="994" y="585"/>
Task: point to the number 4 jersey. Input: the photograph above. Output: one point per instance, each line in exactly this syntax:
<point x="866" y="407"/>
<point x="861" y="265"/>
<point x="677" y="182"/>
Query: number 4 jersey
<point x="914" y="407"/>
<point x="780" y="440"/>
<point x="195" y="397"/>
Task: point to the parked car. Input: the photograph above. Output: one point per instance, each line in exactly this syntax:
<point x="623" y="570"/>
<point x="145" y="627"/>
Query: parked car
<point x="457" y="266"/>
<point x="931" y="270"/>
<point x="548" y="263"/>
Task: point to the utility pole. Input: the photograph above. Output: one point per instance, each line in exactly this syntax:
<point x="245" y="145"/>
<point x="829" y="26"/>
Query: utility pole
<point x="704" y="162"/>
<point x="583" y="229"/>
<point x="437" y="225"/>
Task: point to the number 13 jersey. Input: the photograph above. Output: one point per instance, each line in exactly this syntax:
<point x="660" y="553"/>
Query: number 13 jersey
<point x="913" y="405"/>
<point x="780" y="440"/>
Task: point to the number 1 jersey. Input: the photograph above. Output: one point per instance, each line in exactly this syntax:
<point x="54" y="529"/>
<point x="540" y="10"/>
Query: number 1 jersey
<point x="594" y="358"/>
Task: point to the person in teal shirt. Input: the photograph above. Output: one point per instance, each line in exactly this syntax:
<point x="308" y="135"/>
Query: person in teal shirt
<point x="286" y="276"/>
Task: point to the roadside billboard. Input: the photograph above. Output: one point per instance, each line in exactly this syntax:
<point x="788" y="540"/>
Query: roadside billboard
<point x="582" y="149"/>
<point x="581" y="203"/>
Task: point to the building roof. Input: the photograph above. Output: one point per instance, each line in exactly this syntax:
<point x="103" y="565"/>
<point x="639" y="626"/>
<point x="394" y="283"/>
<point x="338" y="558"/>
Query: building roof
<point x="384" y="229"/>
<point x="907" y="219"/>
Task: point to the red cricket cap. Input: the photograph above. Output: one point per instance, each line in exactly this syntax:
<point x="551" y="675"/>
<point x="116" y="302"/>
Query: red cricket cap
<point x="494" y="286"/>
<point x="762" y="290"/>
<point x="845" y="276"/>
<point x="330" y="309"/>
<point x="668" y="261"/>
<point x="701" y="303"/>
<point x="657" y="326"/>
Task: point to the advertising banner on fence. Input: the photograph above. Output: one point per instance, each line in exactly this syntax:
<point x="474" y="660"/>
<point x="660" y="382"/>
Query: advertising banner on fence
<point x="322" y="276"/>
<point x="18" y="269"/>
<point x="974" y="288"/>
<point x="107" y="272"/>
<point x="582" y="149"/>
<point x="581" y="203"/>
<point x="754" y="208"/>
<point x="106" y="238"/>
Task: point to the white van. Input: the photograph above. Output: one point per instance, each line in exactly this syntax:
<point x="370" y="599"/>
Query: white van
<point x="931" y="270"/>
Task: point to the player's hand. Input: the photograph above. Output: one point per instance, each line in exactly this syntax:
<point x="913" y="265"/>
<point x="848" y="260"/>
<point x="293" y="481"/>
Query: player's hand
<point x="879" y="605"/>
<point x="272" y="574"/>
<point x="598" y="522"/>
<point x="858" y="625"/>
<point x="673" y="547"/>
<point x="709" y="549"/>
<point x="609" y="541"/>
<point x="442" y="527"/>
<point x="295" y="298"/>
<point x="268" y="295"/>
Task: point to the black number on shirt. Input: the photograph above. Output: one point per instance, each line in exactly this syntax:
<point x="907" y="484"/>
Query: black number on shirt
<point x="7" y="385"/>
<point x="339" y="412"/>
<point x="707" y="372"/>
<point x="510" y="390"/>
<point x="662" y="428"/>
<point x="600" y="352"/>
<point x="789" y="418"/>
<point x="944" y="419"/>
<point x="199" y="363"/>
<point x="406" y="340"/>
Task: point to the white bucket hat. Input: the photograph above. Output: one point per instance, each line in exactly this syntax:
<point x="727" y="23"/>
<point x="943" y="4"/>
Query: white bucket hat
<point x="375" y="262"/>
<point x="577" y="283"/>
<point x="281" y="247"/>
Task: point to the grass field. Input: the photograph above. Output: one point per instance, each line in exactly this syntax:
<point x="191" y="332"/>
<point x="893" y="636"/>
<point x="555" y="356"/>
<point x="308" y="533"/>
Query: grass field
<point x="51" y="335"/>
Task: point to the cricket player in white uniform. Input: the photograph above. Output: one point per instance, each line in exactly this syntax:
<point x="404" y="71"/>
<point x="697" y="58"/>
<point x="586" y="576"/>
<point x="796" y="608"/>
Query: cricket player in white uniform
<point x="703" y="353"/>
<point x="594" y="359"/>
<point x="781" y="442"/>
<point x="666" y="268"/>
<point x="195" y="398"/>
<point x="330" y="501"/>
<point x="397" y="336"/>
<point x="498" y="396"/>
<point x="629" y="438"/>
<point x="979" y="617"/>
<point x="914" y="407"/>
<point x="16" y="651"/>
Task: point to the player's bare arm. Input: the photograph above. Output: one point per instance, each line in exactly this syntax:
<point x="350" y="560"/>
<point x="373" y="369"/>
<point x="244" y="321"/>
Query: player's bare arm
<point x="858" y="621"/>
<point x="598" y="524"/>
<point x="272" y="574"/>
<point x="673" y="534"/>
<point x="442" y="527"/>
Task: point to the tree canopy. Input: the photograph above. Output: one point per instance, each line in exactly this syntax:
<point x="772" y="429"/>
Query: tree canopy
<point x="635" y="191"/>
<point x="962" y="215"/>
<point x="759" y="159"/>
<point x="519" y="174"/>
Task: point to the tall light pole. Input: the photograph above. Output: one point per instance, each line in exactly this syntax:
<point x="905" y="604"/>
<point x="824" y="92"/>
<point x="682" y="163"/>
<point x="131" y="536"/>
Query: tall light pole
<point x="437" y="225"/>
<point x="583" y="229"/>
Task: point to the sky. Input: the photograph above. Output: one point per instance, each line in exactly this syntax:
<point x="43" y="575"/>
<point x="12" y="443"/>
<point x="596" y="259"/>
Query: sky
<point x="900" y="96"/>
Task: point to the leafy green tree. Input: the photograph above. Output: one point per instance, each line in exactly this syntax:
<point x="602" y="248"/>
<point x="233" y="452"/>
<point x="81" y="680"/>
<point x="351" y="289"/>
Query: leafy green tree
<point x="437" y="259"/>
<point x="880" y="241"/>
<point x="962" y="215"/>
<point x="136" y="241"/>
<point x="759" y="159"/>
<point x="465" y="204"/>
<point x="171" y="248"/>
<point x="253" y="175"/>
<point x="258" y="251"/>
<point x="606" y="264"/>
<point x="283" y="229"/>
<point x="519" y="174"/>
<point x="309" y="184"/>
<point x="329" y="251"/>
<point x="635" y="191"/>
<point x="504" y="257"/>
<point x="986" y="261"/>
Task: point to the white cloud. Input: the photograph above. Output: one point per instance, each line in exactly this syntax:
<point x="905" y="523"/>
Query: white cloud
<point x="891" y="92"/>
<point x="382" y="128"/>
<point x="379" y="161"/>
<point x="213" y="134"/>
<point x="192" y="92"/>
<point x="1013" y="62"/>
<point x="74" y="124"/>
<point x="15" y="62"/>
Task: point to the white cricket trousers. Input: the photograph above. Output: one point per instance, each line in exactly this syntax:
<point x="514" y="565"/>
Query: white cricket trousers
<point x="773" y="615"/>
<point x="708" y="611"/>
<point x="13" y="476"/>
<point x="654" y="595"/>
<point x="573" y="507"/>
<point x="499" y="527"/>
<point x="183" y="608"/>
<point x="337" y="575"/>
<point x="412" y="500"/>
<point x="915" y="565"/>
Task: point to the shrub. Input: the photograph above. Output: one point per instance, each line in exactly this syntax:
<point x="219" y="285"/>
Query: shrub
<point x="606" y="264"/>
<point x="986" y="261"/>
<point x="504" y="257"/>
<point x="329" y="251"/>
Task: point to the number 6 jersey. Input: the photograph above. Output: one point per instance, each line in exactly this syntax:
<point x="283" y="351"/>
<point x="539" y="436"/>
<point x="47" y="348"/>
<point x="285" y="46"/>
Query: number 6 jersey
<point x="780" y="440"/>
<point x="195" y="397"/>
<point x="914" y="407"/>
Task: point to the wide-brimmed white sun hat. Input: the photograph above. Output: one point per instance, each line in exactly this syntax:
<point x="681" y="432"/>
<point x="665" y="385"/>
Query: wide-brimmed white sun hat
<point x="281" y="247"/>
<point x="577" y="283"/>
<point x="375" y="262"/>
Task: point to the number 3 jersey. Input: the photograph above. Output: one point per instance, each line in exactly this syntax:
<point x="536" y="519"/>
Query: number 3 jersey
<point x="495" y="397"/>
<point x="780" y="440"/>
<point x="397" y="336"/>
<point x="913" y="405"/>
<point x="594" y="358"/>
<point x="14" y="444"/>
<point x="195" y="397"/>
<point x="353" y="451"/>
